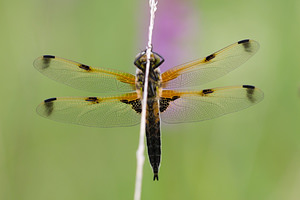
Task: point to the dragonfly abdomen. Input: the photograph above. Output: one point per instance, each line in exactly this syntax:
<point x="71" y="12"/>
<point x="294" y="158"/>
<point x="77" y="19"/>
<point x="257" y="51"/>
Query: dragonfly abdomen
<point x="153" y="135"/>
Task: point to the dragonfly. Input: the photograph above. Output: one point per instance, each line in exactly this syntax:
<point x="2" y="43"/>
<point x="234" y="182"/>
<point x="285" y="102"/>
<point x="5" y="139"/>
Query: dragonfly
<point x="172" y="97"/>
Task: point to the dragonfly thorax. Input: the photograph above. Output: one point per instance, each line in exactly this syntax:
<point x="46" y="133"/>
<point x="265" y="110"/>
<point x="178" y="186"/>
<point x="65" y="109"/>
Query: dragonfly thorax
<point x="154" y="79"/>
<point x="154" y="82"/>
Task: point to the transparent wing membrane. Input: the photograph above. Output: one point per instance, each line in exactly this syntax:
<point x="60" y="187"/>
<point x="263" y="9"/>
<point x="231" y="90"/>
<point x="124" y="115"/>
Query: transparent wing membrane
<point x="203" y="70"/>
<point x="176" y="105"/>
<point x="208" y="104"/>
<point x="93" y="111"/>
<point x="84" y="77"/>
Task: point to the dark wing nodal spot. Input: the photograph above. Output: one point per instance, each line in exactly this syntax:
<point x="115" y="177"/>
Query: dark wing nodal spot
<point x="165" y="102"/>
<point x="49" y="106"/>
<point x="207" y="91"/>
<point x="93" y="99"/>
<point x="246" y="45"/>
<point x="135" y="104"/>
<point x="85" y="67"/>
<point x="208" y="58"/>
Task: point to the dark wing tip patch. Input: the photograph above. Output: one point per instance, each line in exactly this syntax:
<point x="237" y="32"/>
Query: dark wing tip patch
<point x="50" y="100"/>
<point x="46" y="60"/>
<point x="85" y="67"/>
<point x="48" y="56"/>
<point x="208" y="58"/>
<point x="250" y="91"/>
<point x="243" y="41"/>
<point x="246" y="44"/>
<point x="49" y="106"/>
<point x="249" y="86"/>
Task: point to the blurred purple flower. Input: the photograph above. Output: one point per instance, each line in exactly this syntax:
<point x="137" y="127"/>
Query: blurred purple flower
<point x="176" y="25"/>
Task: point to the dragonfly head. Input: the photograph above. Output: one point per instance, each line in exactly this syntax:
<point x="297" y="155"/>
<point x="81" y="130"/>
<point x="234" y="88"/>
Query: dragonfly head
<point x="141" y="59"/>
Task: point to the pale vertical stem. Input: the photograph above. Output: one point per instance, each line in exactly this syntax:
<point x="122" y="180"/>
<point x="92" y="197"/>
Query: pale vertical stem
<point x="140" y="151"/>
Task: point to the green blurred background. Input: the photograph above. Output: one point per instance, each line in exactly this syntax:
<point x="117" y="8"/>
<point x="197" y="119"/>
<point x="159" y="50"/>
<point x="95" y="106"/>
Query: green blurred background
<point x="251" y="154"/>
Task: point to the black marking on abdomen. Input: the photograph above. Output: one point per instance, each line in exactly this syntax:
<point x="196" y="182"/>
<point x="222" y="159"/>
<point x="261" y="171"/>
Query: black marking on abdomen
<point x="135" y="104"/>
<point x="208" y="58"/>
<point x="165" y="102"/>
<point x="49" y="105"/>
<point x="246" y="44"/>
<point x="46" y="60"/>
<point x="250" y="91"/>
<point x="85" y="67"/>
<point x="153" y="136"/>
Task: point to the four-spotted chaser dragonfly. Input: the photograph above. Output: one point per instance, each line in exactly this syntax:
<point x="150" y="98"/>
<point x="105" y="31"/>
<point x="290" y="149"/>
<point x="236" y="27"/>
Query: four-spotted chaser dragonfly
<point x="166" y="98"/>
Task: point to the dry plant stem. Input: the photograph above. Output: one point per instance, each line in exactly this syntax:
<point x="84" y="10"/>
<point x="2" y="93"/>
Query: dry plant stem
<point x="140" y="152"/>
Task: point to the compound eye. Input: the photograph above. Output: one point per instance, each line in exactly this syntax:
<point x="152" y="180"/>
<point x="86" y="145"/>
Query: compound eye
<point x="139" y="60"/>
<point x="158" y="59"/>
<point x="139" y="55"/>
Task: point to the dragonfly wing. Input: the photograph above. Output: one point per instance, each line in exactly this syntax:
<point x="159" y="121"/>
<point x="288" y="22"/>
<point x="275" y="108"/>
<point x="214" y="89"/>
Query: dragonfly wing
<point x="93" y="111"/>
<point x="178" y="107"/>
<point x="203" y="70"/>
<point x="84" y="77"/>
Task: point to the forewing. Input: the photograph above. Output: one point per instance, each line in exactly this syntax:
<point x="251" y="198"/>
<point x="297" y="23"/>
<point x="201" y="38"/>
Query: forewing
<point x="93" y="111"/>
<point x="203" y="70"/>
<point x="207" y="104"/>
<point x="84" y="77"/>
